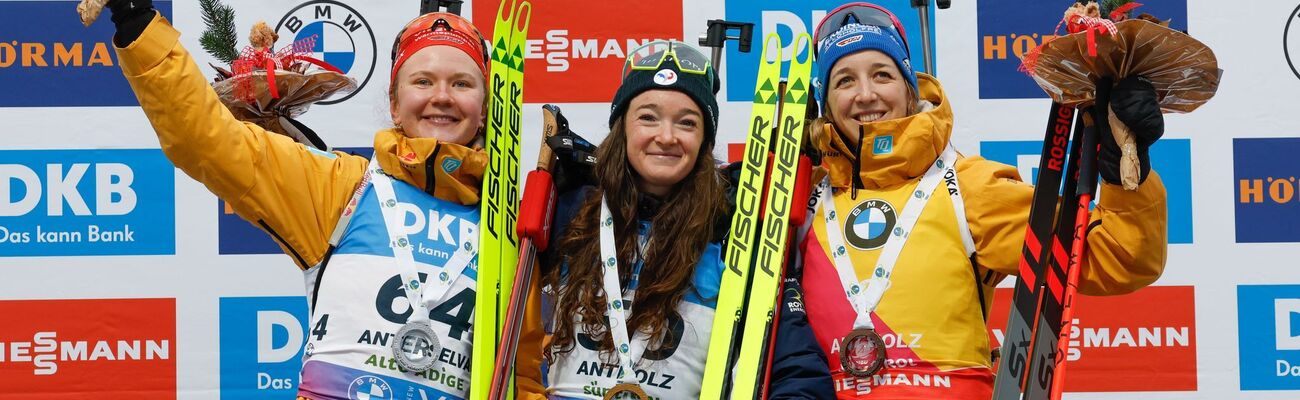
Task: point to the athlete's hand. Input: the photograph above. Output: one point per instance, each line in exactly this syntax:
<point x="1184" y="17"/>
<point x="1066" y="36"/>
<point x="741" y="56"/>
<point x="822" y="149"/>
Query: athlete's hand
<point x="577" y="158"/>
<point x="1134" y="103"/>
<point x="89" y="10"/>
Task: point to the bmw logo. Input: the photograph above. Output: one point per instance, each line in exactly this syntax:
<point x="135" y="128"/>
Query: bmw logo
<point x="869" y="224"/>
<point x="1291" y="41"/>
<point x="343" y="38"/>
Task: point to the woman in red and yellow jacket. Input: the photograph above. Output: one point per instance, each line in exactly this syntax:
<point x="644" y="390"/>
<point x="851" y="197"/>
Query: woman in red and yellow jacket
<point x="894" y="178"/>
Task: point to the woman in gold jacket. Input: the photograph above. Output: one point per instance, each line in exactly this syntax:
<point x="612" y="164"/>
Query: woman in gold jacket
<point x="323" y="208"/>
<point x="884" y="138"/>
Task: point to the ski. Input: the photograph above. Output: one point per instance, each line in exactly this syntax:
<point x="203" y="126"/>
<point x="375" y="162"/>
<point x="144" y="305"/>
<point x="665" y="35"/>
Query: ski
<point x="744" y="224"/>
<point x="779" y="202"/>
<point x="534" y="229"/>
<point x="1013" y="369"/>
<point x="1042" y="349"/>
<point x="1086" y="189"/>
<point x="510" y="177"/>
<point x="496" y="244"/>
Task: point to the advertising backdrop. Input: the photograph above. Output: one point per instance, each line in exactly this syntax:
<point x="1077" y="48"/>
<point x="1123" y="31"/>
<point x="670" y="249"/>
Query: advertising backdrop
<point x="121" y="275"/>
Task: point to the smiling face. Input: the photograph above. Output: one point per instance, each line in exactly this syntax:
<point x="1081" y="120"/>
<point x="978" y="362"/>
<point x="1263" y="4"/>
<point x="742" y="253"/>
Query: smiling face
<point x="664" y="131"/>
<point x="865" y="87"/>
<point x="439" y="94"/>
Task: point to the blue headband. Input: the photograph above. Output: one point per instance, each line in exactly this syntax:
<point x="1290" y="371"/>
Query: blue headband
<point x="853" y="38"/>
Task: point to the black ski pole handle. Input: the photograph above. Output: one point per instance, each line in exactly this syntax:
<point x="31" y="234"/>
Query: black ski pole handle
<point x="1100" y="111"/>
<point x="428" y="6"/>
<point x="716" y="37"/>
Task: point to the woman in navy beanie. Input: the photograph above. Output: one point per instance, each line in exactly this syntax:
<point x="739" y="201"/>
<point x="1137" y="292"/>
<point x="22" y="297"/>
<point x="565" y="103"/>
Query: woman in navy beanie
<point x="648" y="228"/>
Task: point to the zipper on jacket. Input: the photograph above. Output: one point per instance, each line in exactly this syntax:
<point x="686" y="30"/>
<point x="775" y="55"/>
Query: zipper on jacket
<point x="431" y="170"/>
<point x="293" y="252"/>
<point x="320" y="276"/>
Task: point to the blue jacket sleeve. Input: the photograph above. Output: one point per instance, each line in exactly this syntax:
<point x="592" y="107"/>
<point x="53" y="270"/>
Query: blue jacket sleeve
<point x="799" y="368"/>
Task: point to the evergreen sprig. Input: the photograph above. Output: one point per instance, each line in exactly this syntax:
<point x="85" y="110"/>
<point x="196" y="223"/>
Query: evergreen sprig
<point x="1110" y="5"/>
<point x="219" y="39"/>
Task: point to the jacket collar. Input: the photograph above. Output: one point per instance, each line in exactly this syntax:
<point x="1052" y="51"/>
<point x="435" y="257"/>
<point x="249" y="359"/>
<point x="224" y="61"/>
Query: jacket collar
<point x="915" y="141"/>
<point x="448" y="171"/>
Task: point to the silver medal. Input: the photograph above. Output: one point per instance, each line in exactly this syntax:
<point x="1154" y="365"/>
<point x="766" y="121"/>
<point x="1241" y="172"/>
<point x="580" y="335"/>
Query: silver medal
<point x="415" y="347"/>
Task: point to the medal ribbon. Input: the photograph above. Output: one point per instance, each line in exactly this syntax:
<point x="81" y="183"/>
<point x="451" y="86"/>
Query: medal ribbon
<point x="866" y="299"/>
<point x="616" y="307"/>
<point x="403" y="252"/>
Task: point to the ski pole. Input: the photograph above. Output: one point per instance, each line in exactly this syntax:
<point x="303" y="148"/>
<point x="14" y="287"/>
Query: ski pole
<point x="1087" y="186"/>
<point x="1047" y="332"/>
<point x="534" y="230"/>
<point x="802" y="190"/>
<point x="923" y="11"/>
<point x="1013" y="368"/>
<point x="716" y="37"/>
<point x="428" y="6"/>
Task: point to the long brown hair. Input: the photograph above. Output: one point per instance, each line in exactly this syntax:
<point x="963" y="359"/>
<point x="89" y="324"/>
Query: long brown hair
<point x="680" y="230"/>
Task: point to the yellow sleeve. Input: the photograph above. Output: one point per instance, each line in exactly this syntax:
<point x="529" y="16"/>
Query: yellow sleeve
<point x="1127" y="234"/>
<point x="528" y="359"/>
<point x="1128" y="239"/>
<point x="268" y="179"/>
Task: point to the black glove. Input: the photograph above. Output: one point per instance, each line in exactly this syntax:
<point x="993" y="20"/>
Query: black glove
<point x="1136" y="104"/>
<point x="130" y="17"/>
<point x="576" y="157"/>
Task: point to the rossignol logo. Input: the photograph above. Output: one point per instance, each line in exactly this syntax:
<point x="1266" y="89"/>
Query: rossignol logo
<point x="1007" y="31"/>
<point x="343" y="38"/>
<point x="1291" y="41"/>
<point x="50" y="60"/>
<point x="109" y="346"/>
<point x="1266" y="179"/>
<point x="86" y="202"/>
<point x="869" y="224"/>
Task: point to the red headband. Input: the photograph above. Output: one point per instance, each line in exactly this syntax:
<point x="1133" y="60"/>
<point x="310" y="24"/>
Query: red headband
<point x="439" y="29"/>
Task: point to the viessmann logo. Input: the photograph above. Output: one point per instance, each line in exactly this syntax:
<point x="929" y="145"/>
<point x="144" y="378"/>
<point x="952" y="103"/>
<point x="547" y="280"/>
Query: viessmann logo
<point x="116" y="348"/>
<point x="48" y="59"/>
<point x="571" y="56"/>
<point x="1143" y="341"/>
<point x="1008" y="29"/>
<point x="343" y="38"/>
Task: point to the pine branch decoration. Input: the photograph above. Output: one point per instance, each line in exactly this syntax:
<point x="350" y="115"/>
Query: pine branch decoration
<point x="1111" y="5"/>
<point x="219" y="39"/>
